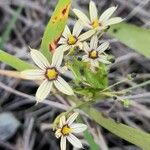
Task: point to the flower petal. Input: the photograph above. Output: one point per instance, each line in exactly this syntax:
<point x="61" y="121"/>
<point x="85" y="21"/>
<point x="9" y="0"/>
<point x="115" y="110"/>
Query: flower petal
<point x="93" y="11"/>
<point x="82" y="17"/>
<point x="58" y="133"/>
<point x="85" y="57"/>
<point x="62" y="121"/>
<point x="74" y="141"/>
<point x="103" y="59"/>
<point x="86" y="35"/>
<point x="72" y="118"/>
<point x="39" y="59"/>
<point x="94" y="42"/>
<point x="62" y="41"/>
<point x="66" y="32"/>
<point x="103" y="47"/>
<point x="94" y="63"/>
<point x="58" y="56"/>
<point x="114" y="20"/>
<point x="78" y="127"/>
<point x="63" y="86"/>
<point x="86" y="47"/>
<point x="63" y="143"/>
<point x="107" y="14"/>
<point x="43" y="90"/>
<point x="33" y="74"/>
<point x="77" y="28"/>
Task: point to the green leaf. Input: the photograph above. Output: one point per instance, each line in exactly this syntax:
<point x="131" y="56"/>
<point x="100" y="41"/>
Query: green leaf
<point x="14" y="62"/>
<point x="55" y="27"/>
<point x="127" y="133"/>
<point x="135" y="37"/>
<point x="97" y="80"/>
<point x="89" y="137"/>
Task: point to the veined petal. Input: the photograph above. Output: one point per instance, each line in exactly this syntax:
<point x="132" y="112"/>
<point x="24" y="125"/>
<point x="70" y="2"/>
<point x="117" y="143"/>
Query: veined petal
<point x="94" y="42"/>
<point x="86" y="47"/>
<point x="62" y="41"/>
<point x="86" y="35"/>
<point x="66" y="47"/>
<point x="58" y="133"/>
<point x="58" y="56"/>
<point x="63" y="86"/>
<point x="95" y="63"/>
<point x="107" y="14"/>
<point x="81" y="16"/>
<point x="66" y="32"/>
<point x="103" y="59"/>
<point x="77" y="28"/>
<point x="78" y="127"/>
<point x="62" y="121"/>
<point x="39" y="59"/>
<point x="103" y="47"/>
<point x="85" y="57"/>
<point x="63" y="143"/>
<point x="74" y="141"/>
<point x="33" y="74"/>
<point x="93" y="11"/>
<point x="114" y="20"/>
<point x="72" y="118"/>
<point x="43" y="90"/>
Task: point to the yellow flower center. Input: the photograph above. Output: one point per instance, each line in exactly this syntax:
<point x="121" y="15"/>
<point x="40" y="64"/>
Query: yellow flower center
<point x="66" y="130"/>
<point x="51" y="73"/>
<point x="95" y="23"/>
<point x="93" y="54"/>
<point x="72" y="40"/>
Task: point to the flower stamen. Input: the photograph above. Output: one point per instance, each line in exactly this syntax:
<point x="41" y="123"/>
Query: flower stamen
<point x="66" y="130"/>
<point x="93" y="54"/>
<point x="51" y="73"/>
<point x="95" y="24"/>
<point x="72" y="40"/>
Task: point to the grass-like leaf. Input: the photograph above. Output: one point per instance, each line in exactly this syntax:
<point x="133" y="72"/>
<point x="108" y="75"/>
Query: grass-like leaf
<point x="14" y="62"/>
<point x="55" y="27"/>
<point x="135" y="37"/>
<point x="127" y="133"/>
<point x="89" y="137"/>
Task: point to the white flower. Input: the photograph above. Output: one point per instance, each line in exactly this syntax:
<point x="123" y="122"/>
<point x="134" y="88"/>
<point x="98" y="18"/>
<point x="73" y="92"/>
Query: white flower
<point x="94" y="22"/>
<point x="66" y="130"/>
<point x="74" y="39"/>
<point x="95" y="54"/>
<point x="49" y="73"/>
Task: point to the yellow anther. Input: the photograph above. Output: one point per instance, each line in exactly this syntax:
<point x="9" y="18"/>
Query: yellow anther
<point x="72" y="40"/>
<point x="95" y="23"/>
<point x="93" y="54"/>
<point x="66" y="130"/>
<point x="51" y="73"/>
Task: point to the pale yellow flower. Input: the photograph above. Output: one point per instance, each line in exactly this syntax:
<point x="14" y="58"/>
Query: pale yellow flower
<point x="49" y="73"/>
<point x="96" y="23"/>
<point x="67" y="129"/>
<point x="75" y="39"/>
<point x="95" y="54"/>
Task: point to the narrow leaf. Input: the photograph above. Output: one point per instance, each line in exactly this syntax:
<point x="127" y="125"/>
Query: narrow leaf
<point x="89" y="137"/>
<point x="55" y="27"/>
<point x="14" y="62"/>
<point x="127" y="133"/>
<point x="134" y="37"/>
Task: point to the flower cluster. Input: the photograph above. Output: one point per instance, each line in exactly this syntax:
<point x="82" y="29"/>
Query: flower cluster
<point x="93" y="54"/>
